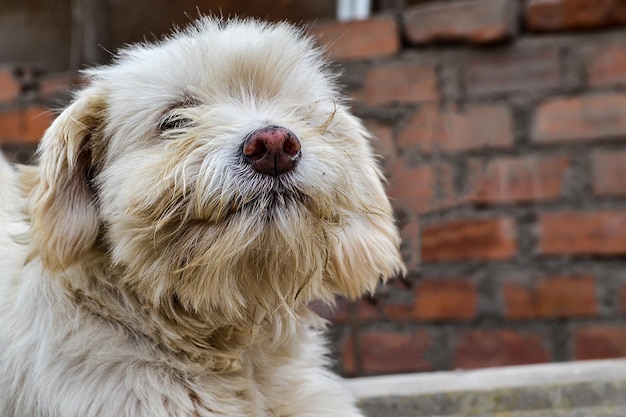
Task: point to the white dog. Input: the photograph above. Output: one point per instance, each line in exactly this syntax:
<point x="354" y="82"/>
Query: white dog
<point x="187" y="205"/>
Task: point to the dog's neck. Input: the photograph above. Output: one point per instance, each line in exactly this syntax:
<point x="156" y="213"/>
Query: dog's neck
<point x="200" y="339"/>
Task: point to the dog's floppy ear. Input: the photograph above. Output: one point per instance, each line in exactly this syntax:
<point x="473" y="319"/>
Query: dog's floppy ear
<point x="365" y="247"/>
<point x="61" y="202"/>
<point x="366" y="251"/>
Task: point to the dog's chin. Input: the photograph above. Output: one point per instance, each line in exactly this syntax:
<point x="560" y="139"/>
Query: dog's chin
<point x="263" y="255"/>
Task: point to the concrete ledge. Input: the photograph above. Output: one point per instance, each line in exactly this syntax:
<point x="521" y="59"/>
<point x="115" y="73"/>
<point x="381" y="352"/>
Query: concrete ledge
<point x="574" y="389"/>
<point x="489" y="379"/>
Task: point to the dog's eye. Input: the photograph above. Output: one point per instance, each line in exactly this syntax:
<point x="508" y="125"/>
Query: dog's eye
<point x="171" y="122"/>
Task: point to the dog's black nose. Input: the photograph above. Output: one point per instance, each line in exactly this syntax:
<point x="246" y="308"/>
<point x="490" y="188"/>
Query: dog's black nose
<point x="272" y="150"/>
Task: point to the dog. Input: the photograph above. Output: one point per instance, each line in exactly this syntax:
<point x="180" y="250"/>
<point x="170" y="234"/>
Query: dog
<point x="189" y="204"/>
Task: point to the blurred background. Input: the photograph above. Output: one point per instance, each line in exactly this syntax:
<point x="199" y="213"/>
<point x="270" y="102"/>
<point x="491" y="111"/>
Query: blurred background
<point x="502" y="124"/>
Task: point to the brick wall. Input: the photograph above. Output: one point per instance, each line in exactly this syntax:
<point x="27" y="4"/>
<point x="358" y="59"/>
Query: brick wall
<point x="502" y="124"/>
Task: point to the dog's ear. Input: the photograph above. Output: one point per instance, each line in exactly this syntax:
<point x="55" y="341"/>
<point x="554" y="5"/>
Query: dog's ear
<point x="61" y="202"/>
<point x="366" y="251"/>
<point x="367" y="241"/>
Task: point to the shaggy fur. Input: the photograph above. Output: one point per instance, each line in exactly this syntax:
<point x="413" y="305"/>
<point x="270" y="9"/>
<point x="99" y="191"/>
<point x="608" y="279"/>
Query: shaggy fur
<point x="147" y="270"/>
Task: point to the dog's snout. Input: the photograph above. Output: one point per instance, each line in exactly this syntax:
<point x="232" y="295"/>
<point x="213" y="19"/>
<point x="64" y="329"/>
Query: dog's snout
<point x="272" y="150"/>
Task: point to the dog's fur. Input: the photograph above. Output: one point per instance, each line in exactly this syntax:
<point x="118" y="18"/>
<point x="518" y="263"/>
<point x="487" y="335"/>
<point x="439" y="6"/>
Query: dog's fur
<point x="147" y="270"/>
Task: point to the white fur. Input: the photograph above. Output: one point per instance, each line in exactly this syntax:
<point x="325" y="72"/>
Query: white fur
<point x="151" y="272"/>
<point x="7" y="187"/>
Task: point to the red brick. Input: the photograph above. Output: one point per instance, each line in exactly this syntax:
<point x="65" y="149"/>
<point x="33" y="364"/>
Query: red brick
<point x="399" y="83"/>
<point x="488" y="348"/>
<point x="25" y="125"/>
<point x="479" y="127"/>
<point x="607" y="66"/>
<point x="399" y="311"/>
<point x="414" y="190"/>
<point x="383" y="144"/>
<point x="594" y="116"/>
<point x="582" y="233"/>
<point x="349" y="363"/>
<point x="518" y="179"/>
<point x="551" y="297"/>
<point x="360" y="39"/>
<point x="387" y="352"/>
<point x="609" y="172"/>
<point x="437" y="300"/>
<point x="490" y="21"/>
<point x="465" y="240"/>
<point x="599" y="342"/>
<point x="554" y="15"/>
<point x="512" y="70"/>
<point x="449" y="299"/>
<point x="9" y="85"/>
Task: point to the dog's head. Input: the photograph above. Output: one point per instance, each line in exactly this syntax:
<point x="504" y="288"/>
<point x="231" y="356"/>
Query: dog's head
<point x="220" y="168"/>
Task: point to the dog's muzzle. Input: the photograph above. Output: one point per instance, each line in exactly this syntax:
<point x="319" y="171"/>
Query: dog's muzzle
<point x="272" y="150"/>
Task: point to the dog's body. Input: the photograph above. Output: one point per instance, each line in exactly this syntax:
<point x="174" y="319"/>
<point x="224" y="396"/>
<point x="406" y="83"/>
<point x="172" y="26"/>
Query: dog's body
<point x="187" y="206"/>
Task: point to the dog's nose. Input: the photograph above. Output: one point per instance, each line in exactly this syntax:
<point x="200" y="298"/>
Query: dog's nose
<point x="272" y="150"/>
